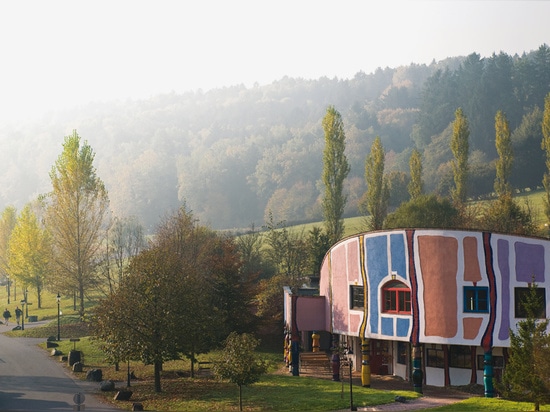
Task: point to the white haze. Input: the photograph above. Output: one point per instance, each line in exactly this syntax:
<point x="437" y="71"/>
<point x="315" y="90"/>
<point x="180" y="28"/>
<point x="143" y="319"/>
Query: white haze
<point x="60" y="54"/>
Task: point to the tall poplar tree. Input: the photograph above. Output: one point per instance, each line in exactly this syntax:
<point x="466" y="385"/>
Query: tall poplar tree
<point x="335" y="171"/>
<point x="416" y="186"/>
<point x="378" y="191"/>
<point x="75" y="216"/>
<point x="505" y="160"/>
<point x="460" y="147"/>
<point x="545" y="144"/>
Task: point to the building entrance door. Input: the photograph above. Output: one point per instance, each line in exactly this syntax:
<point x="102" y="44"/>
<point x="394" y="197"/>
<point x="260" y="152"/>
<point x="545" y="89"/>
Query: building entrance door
<point x="380" y="358"/>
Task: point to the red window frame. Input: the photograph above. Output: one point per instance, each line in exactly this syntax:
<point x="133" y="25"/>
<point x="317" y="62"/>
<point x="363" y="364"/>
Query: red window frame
<point x="396" y="298"/>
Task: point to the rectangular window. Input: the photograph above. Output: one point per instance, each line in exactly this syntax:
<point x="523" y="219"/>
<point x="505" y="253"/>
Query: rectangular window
<point x="520" y="296"/>
<point x="435" y="358"/>
<point x="460" y="357"/>
<point x="357" y="297"/>
<point x="476" y="299"/>
<point x="397" y="301"/>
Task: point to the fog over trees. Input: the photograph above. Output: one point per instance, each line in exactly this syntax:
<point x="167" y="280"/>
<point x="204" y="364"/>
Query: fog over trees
<point x="235" y="154"/>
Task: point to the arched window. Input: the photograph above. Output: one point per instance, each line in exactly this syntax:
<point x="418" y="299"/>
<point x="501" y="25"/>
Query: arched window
<point x="396" y="298"/>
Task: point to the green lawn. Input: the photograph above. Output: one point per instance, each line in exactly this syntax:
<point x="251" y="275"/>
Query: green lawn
<point x="487" y="404"/>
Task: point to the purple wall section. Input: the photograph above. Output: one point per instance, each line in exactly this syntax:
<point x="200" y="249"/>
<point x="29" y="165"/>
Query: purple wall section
<point x="310" y="313"/>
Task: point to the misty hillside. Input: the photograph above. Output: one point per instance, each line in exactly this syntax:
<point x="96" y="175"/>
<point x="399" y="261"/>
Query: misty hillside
<point x="236" y="153"/>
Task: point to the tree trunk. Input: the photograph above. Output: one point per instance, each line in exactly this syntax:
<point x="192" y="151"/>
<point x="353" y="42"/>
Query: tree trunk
<point x="158" y="367"/>
<point x="240" y="398"/>
<point x="81" y="297"/>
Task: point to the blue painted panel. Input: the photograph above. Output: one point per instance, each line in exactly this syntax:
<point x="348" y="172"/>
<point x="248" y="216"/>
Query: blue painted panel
<point x="387" y="326"/>
<point x="402" y="328"/>
<point x="398" y="260"/>
<point x="377" y="268"/>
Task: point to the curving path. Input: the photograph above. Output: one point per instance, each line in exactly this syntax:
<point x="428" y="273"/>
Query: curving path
<point x="30" y="380"/>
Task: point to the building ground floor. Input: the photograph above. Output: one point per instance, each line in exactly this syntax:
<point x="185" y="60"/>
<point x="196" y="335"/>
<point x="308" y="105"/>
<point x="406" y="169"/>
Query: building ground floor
<point x="441" y="365"/>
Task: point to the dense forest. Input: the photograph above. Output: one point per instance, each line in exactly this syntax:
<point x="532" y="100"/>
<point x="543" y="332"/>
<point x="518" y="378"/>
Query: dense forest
<point x="235" y="154"/>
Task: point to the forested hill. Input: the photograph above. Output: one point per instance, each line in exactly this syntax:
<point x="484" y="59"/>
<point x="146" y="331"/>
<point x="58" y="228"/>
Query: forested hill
<point x="236" y="153"/>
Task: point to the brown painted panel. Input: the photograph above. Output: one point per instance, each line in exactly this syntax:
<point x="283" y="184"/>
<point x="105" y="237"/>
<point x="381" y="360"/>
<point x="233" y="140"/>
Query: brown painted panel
<point x="439" y="264"/>
<point x="472" y="272"/>
<point x="471" y="327"/>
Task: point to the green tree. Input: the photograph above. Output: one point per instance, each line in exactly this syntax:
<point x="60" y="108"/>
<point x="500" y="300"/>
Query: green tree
<point x="318" y="245"/>
<point x="505" y="160"/>
<point x="239" y="363"/>
<point x="398" y="182"/>
<point x="504" y="215"/>
<point x="335" y="171"/>
<point x="460" y="148"/>
<point x="218" y="294"/>
<point x="287" y="252"/>
<point x="428" y="211"/>
<point x="416" y="185"/>
<point x="527" y="376"/>
<point x="377" y="196"/>
<point x="546" y="147"/>
<point x="75" y="216"/>
<point x="140" y="320"/>
<point x="30" y="252"/>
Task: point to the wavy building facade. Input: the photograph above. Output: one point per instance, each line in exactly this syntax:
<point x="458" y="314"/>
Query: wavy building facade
<point x="431" y="306"/>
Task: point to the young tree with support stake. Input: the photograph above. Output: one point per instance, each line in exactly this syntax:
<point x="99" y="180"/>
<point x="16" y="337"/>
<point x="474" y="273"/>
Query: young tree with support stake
<point x="239" y="364"/>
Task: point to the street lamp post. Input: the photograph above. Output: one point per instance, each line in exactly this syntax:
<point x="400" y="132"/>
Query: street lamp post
<point x="23" y="314"/>
<point x="58" y="313"/>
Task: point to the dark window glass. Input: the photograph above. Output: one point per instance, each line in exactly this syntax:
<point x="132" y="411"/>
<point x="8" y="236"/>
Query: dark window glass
<point x="435" y="358"/>
<point x="460" y="357"/>
<point x="357" y="297"/>
<point x="476" y="299"/>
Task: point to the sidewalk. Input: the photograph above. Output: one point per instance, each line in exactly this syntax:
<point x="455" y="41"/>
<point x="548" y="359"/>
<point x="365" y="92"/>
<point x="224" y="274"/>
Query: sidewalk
<point x="433" y="396"/>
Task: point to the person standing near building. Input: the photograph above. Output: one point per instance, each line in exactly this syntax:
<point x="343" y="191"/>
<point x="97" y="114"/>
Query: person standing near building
<point x="18" y="313"/>
<point x="7" y="316"/>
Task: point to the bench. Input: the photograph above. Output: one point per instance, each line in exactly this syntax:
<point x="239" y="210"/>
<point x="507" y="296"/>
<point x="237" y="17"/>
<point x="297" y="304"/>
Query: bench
<point x="205" y="368"/>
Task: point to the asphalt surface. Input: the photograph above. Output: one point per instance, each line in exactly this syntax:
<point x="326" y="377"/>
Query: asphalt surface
<point x="31" y="380"/>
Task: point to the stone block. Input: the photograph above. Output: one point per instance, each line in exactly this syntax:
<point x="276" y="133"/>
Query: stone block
<point x="123" y="396"/>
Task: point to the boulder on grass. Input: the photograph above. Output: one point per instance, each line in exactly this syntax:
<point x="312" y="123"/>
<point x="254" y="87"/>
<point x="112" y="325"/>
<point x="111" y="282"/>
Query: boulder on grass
<point x="107" y="386"/>
<point x="51" y="338"/>
<point x="77" y="367"/>
<point x="50" y="344"/>
<point x="136" y="406"/>
<point x="55" y="352"/>
<point x="94" y="375"/>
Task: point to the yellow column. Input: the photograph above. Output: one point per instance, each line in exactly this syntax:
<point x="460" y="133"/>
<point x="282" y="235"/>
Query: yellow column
<point x="365" y="362"/>
<point x="315" y="338"/>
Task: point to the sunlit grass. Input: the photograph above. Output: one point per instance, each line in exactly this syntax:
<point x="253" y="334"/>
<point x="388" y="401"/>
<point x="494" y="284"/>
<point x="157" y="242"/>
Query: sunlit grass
<point x="489" y="404"/>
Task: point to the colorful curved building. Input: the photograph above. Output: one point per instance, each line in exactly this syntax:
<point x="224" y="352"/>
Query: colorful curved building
<point x="431" y="306"/>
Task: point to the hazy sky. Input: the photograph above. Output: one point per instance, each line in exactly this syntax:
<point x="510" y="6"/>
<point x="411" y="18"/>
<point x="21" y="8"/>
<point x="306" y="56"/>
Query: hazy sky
<point x="65" y="53"/>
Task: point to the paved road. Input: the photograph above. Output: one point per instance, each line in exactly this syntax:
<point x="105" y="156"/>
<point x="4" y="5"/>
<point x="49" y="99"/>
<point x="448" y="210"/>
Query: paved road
<point x="30" y="380"/>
